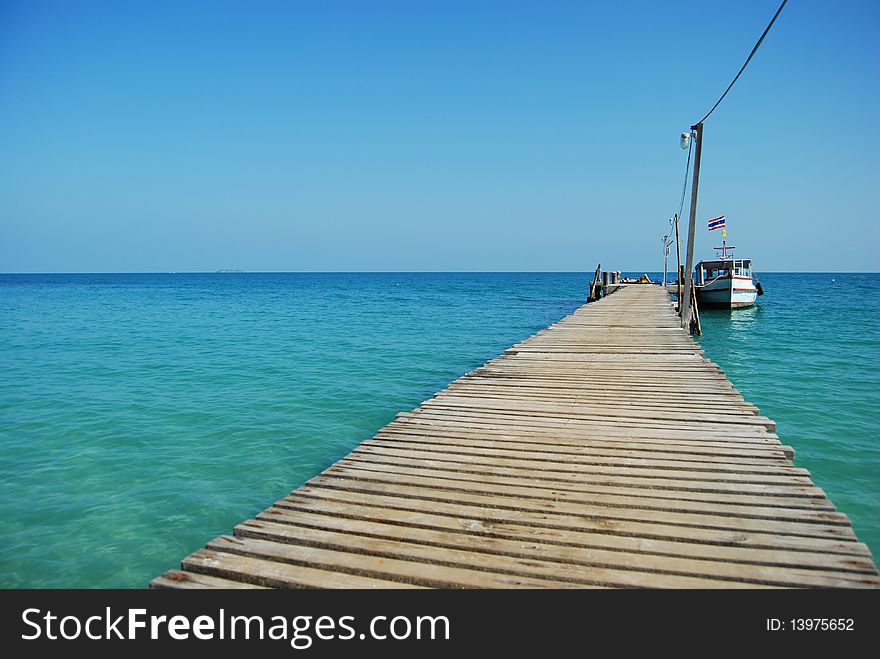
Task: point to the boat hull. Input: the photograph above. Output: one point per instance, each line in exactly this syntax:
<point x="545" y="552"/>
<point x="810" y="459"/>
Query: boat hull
<point x="728" y="293"/>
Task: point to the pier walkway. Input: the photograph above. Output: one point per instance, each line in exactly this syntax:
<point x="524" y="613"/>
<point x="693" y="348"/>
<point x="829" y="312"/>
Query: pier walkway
<point x="604" y="451"/>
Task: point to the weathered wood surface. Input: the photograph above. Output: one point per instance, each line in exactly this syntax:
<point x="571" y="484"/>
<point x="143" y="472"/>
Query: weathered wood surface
<point x="604" y="451"/>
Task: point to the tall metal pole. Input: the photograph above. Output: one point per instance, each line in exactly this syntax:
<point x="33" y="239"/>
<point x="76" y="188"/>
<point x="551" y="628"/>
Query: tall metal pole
<point x="665" y="254"/>
<point x="678" y="261"/>
<point x="686" y="307"/>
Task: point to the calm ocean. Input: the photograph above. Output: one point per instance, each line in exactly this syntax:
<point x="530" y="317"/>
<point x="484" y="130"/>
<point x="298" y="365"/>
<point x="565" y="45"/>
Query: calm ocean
<point x="142" y="415"/>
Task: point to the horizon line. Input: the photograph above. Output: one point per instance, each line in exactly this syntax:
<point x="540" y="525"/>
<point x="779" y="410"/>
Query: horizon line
<point x="377" y="272"/>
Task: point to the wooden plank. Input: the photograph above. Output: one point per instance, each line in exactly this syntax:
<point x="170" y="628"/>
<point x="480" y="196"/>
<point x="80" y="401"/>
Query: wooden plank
<point x="835" y="526"/>
<point x="640" y="492"/>
<point x="181" y="579"/>
<point x="531" y="446"/>
<point x="482" y="516"/>
<point x="595" y="565"/>
<point x="795" y="477"/>
<point x="852" y="557"/>
<point x="578" y="476"/>
<point x="444" y="567"/>
<point x="538" y="408"/>
<point x="273" y="574"/>
<point x="544" y="454"/>
<point x="758" y="450"/>
<point x="583" y="427"/>
<point x="380" y="568"/>
<point x="759" y="507"/>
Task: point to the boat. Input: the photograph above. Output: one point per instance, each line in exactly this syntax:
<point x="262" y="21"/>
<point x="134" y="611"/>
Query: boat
<point x="726" y="282"/>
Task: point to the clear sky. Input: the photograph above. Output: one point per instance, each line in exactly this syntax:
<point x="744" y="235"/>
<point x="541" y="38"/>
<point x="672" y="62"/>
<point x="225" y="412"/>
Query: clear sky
<point x="431" y="135"/>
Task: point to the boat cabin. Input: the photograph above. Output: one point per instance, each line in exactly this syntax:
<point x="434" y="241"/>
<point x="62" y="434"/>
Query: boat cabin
<point x="707" y="271"/>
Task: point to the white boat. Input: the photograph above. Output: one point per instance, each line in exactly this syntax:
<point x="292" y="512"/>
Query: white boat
<point x="726" y="282"/>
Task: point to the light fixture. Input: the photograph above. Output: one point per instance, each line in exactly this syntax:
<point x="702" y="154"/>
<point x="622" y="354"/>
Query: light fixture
<point x="685" y="140"/>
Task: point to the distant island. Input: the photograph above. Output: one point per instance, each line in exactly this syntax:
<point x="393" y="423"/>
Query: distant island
<point x="230" y="271"/>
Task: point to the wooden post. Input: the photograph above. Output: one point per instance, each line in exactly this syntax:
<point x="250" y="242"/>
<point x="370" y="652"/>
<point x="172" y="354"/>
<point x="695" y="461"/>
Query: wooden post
<point x="680" y="280"/>
<point x="696" y="315"/>
<point x="594" y="285"/>
<point x="689" y="265"/>
<point x="678" y="264"/>
<point x="606" y="279"/>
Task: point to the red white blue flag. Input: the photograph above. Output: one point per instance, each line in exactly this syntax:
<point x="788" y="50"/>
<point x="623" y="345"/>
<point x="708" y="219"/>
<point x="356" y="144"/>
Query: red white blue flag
<point x="717" y="223"/>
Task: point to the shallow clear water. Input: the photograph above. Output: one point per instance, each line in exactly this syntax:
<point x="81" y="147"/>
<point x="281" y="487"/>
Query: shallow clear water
<point x="808" y="355"/>
<point x="142" y="415"/>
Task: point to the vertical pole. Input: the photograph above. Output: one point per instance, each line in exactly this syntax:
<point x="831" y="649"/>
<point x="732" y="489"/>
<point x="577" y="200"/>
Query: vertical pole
<point x="680" y="286"/>
<point x="665" y="255"/>
<point x="594" y="285"/>
<point x="695" y="324"/>
<point x="686" y="307"/>
<point x="678" y="262"/>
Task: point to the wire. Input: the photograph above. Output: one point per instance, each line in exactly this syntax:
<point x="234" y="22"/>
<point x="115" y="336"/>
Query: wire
<point x="687" y="169"/>
<point x="748" y="59"/>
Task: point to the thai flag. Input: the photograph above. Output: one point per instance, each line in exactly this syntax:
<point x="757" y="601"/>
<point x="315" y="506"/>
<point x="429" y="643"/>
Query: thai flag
<point x="717" y="223"/>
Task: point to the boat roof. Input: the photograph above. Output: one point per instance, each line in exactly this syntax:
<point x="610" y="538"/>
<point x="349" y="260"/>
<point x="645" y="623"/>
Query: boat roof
<point x="723" y="263"/>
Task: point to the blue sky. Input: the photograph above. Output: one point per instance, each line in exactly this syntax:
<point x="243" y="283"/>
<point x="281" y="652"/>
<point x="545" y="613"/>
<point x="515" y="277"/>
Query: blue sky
<point x="323" y="135"/>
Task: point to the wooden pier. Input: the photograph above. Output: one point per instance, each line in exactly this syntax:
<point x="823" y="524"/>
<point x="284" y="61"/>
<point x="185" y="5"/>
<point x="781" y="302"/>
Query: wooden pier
<point x="604" y="451"/>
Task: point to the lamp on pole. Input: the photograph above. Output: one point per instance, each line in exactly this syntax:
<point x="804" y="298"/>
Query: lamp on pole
<point x="667" y="241"/>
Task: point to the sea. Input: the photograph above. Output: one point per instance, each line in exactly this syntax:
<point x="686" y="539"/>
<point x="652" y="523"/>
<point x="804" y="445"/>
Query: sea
<point x="142" y="415"/>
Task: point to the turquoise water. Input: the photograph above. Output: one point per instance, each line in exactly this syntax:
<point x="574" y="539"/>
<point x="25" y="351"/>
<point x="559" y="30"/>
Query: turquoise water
<point x="808" y="355"/>
<point x="142" y="415"/>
